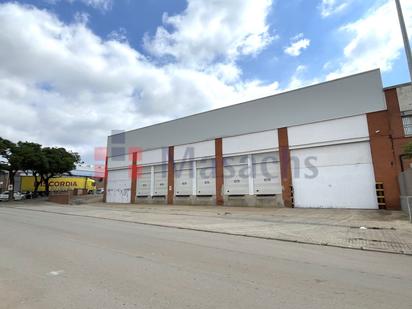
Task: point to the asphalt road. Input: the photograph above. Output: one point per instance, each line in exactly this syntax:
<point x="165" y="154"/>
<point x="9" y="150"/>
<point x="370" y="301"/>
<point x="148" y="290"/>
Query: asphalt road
<point x="58" y="261"/>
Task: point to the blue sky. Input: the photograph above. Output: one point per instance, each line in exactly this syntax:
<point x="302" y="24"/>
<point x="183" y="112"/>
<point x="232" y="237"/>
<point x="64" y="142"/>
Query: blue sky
<point x="286" y="19"/>
<point x="90" y="66"/>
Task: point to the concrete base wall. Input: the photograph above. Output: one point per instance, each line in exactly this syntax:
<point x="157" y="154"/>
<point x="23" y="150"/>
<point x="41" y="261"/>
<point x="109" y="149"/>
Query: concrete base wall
<point x="254" y="201"/>
<point x="247" y="200"/>
<point x="157" y="200"/>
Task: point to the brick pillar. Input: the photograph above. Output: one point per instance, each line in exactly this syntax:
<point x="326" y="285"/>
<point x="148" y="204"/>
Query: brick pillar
<point x="396" y="128"/>
<point x="170" y="176"/>
<point x="394" y="116"/>
<point x="219" y="171"/>
<point x="285" y="167"/>
<point x="383" y="156"/>
<point x="106" y="173"/>
<point x="133" y="179"/>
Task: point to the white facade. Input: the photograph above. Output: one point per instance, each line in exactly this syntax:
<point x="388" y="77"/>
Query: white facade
<point x="250" y="143"/>
<point x="332" y="165"/>
<point x="195" y="151"/>
<point x="328" y="139"/>
<point x="329" y="132"/>
<point x="118" y="186"/>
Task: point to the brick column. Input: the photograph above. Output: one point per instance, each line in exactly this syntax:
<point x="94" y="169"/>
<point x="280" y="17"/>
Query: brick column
<point x="106" y="173"/>
<point x="170" y="176"/>
<point x="397" y="133"/>
<point x="394" y="114"/>
<point x="383" y="156"/>
<point x="285" y="167"/>
<point x="133" y="179"/>
<point x="219" y="171"/>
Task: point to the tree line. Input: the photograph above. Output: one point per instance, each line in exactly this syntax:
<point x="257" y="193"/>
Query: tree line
<point x="32" y="158"/>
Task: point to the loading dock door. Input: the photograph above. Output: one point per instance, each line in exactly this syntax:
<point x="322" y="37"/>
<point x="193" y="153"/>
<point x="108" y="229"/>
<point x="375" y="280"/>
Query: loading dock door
<point x="160" y="180"/>
<point x="143" y="181"/>
<point x="183" y="178"/>
<point x="118" y="186"/>
<point x="266" y="174"/>
<point x="205" y="177"/>
<point x="236" y="175"/>
<point x="338" y="176"/>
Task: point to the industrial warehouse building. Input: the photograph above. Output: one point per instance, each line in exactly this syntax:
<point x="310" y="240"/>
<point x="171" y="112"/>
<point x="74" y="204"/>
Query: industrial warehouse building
<point x="333" y="145"/>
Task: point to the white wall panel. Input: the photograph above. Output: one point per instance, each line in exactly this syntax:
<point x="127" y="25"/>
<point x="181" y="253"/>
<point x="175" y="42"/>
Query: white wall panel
<point x="183" y="182"/>
<point x="123" y="161"/>
<point x="118" y="186"/>
<point x="160" y="180"/>
<point x="205" y="177"/>
<point x="154" y="156"/>
<point x="205" y="180"/>
<point x="253" y="142"/>
<point x="144" y="181"/>
<point x="195" y="150"/>
<point x="266" y="173"/>
<point x="330" y="131"/>
<point x="339" y="176"/>
<point x="342" y="154"/>
<point x="184" y="175"/>
<point x="236" y="175"/>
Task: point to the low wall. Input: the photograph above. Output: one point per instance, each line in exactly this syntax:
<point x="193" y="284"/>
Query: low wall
<point x="60" y="197"/>
<point x="244" y="200"/>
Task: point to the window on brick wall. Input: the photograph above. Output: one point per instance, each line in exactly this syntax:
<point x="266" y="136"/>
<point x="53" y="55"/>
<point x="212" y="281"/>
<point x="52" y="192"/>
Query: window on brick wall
<point x="407" y="124"/>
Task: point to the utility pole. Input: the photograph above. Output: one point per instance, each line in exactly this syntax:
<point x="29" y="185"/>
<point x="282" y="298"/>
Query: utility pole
<point x="405" y="37"/>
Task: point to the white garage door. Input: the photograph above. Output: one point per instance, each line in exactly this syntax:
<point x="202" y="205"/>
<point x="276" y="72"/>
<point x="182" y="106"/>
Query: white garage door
<point x="339" y="176"/>
<point x="118" y="186"/>
<point x="266" y="174"/>
<point x="160" y="180"/>
<point x="183" y="178"/>
<point x="144" y="181"/>
<point x="236" y="175"/>
<point x="205" y="177"/>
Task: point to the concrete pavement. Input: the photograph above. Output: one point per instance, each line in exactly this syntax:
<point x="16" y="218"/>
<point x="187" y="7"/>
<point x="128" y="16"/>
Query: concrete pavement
<point x="386" y="231"/>
<point x="50" y="260"/>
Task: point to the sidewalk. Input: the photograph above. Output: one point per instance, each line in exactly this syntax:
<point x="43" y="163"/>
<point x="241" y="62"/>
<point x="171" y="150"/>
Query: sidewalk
<point x="385" y="231"/>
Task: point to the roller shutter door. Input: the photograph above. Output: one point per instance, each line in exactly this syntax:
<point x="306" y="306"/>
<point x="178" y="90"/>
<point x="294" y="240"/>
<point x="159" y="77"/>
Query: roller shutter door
<point x="183" y="178"/>
<point x="144" y="181"/>
<point x="236" y="176"/>
<point x="266" y="174"/>
<point x="205" y="177"/>
<point x="118" y="186"/>
<point x="338" y="176"/>
<point x="160" y="180"/>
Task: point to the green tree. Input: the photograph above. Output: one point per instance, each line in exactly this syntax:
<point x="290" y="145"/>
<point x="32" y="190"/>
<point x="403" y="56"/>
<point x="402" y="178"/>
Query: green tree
<point x="10" y="161"/>
<point x="33" y="161"/>
<point x="59" y="161"/>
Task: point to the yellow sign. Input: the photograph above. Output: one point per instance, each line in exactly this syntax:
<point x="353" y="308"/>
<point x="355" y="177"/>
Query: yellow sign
<point x="58" y="184"/>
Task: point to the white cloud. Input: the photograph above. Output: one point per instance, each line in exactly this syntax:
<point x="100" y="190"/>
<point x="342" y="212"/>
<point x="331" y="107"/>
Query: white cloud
<point x="103" y="5"/>
<point x="60" y="84"/>
<point x="331" y="7"/>
<point x="208" y="30"/>
<point x="298" y="79"/>
<point x="98" y="4"/>
<point x="297" y="45"/>
<point x="375" y="40"/>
